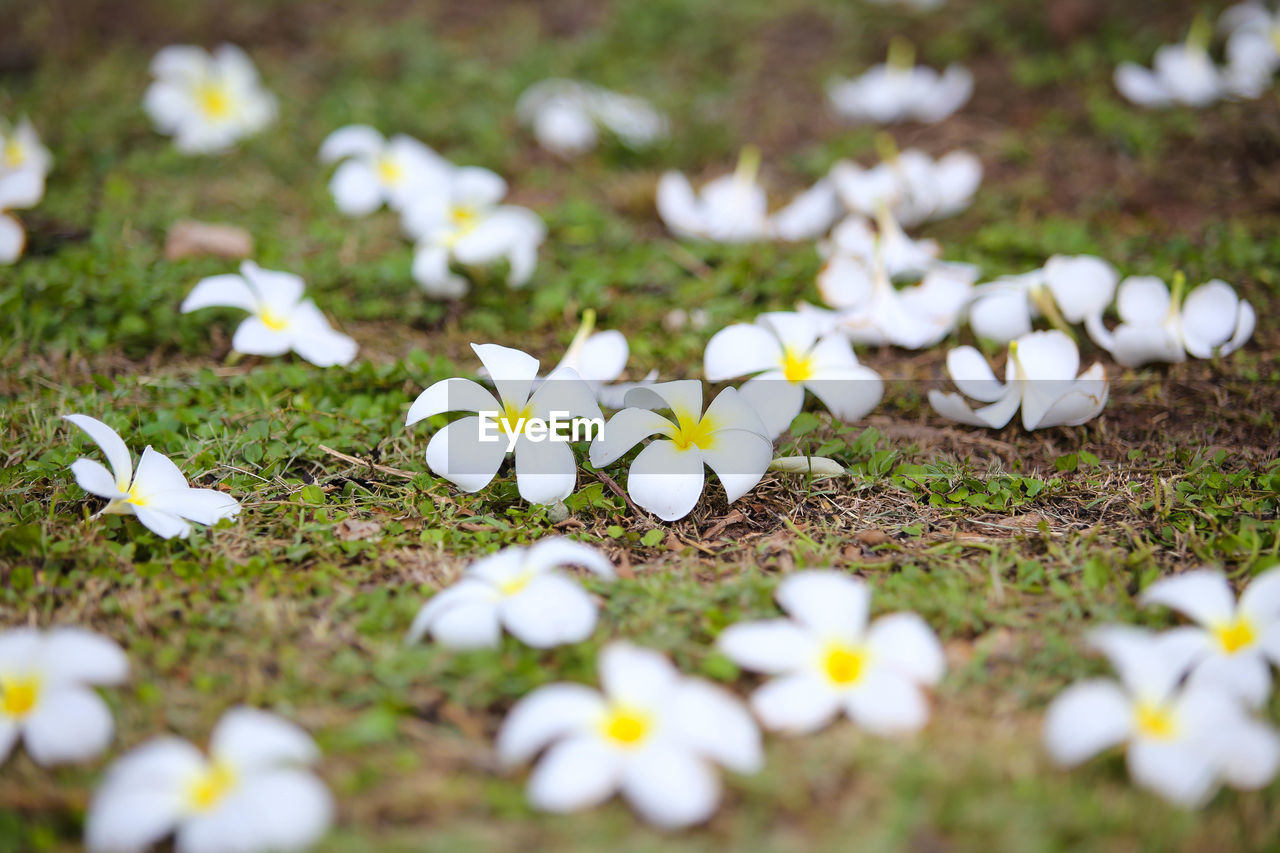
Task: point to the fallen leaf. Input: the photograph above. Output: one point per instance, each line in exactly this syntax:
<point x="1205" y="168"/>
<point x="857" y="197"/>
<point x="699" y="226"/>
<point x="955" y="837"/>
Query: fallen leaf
<point x="350" y="529"/>
<point x="191" y="239"/>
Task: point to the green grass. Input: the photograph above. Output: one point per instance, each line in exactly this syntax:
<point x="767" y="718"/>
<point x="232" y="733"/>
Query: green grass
<point x="1010" y="545"/>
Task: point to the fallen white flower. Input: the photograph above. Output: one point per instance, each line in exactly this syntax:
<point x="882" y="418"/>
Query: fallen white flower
<point x="653" y="734"/>
<point x="903" y="258"/>
<point x="1040" y="378"/>
<point x="207" y="102"/>
<point x="915" y="188"/>
<point x="45" y="694"/>
<point x="156" y="492"/>
<point x="565" y="114"/>
<point x="1067" y="290"/>
<point x="18" y="190"/>
<point x="898" y="90"/>
<point x="21" y="149"/>
<point x="1253" y="46"/>
<point x="281" y="319"/>
<point x="375" y="171"/>
<point x="599" y="358"/>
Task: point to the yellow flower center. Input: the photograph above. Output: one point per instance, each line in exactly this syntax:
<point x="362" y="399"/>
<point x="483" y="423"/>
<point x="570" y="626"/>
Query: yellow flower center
<point x="135" y="498"/>
<point x="214" y="100"/>
<point x="796" y="368"/>
<point x="1235" y="635"/>
<point x="692" y="431"/>
<point x="14" y="155"/>
<point x="273" y="321"/>
<point x="1155" y="721"/>
<point x="464" y="218"/>
<point x="389" y="171"/>
<point x="843" y="665"/>
<point x="515" y="583"/>
<point x="18" y="695"/>
<point x="209" y="788"/>
<point x="626" y="727"/>
<point x="515" y="421"/>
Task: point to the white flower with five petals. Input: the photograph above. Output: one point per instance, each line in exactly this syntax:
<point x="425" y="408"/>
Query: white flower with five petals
<point x="46" y="697"/>
<point x="565" y="115"/>
<point x="899" y="90"/>
<point x="828" y="660"/>
<point x="1040" y="379"/>
<point x="253" y="792"/>
<point x="518" y="589"/>
<point x="156" y="492"/>
<point x="788" y="355"/>
<point x="666" y="478"/>
<point x="546" y="470"/>
<point x="1067" y="290"/>
<point x="207" y="102"/>
<point x="19" y="190"/>
<point x="1181" y="741"/>
<point x="280" y="318"/>
<point x="1236" y="642"/>
<point x="653" y="734"/>
<point x="376" y="171"/>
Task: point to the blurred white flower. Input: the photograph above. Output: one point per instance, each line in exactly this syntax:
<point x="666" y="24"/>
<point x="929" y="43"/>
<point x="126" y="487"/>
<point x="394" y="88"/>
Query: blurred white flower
<point x="1040" y="378"/>
<point x="829" y="660"/>
<point x="207" y="102"/>
<point x="599" y="358"/>
<point x="1253" y="46"/>
<point x="565" y="114"/>
<point x="376" y="171"/>
<point x="915" y="187"/>
<point x="156" y="492"/>
<point x="1066" y="290"/>
<point x="460" y="219"/>
<point x="253" y="793"/>
<point x="1156" y="325"/>
<point x="518" y="589"/>
<point x="667" y="478"/>
<point x="653" y="734"/>
<point x="1181" y="742"/>
<point x="788" y="355"/>
<point x="1235" y="643"/>
<point x="18" y="190"/>
<point x="45" y="697"/>
<point x="546" y="470"/>
<point x="898" y="90"/>
<point x="21" y="149"/>
<point x="281" y="320"/>
<point x="903" y="258"/>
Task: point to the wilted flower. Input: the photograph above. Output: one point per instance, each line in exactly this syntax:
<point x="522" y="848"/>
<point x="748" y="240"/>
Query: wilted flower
<point x="375" y="171"/>
<point x="899" y="90"/>
<point x="1040" y="378"/>
<point x="156" y="493"/>
<point x="45" y="697"/>
<point x="653" y="734"/>
<point x="1158" y="326"/>
<point x="21" y="149"/>
<point x="787" y="354"/>
<point x="18" y="190"/>
<point x="518" y="589"/>
<point x="281" y="320"/>
<point x="829" y="660"/>
<point x="666" y="478"/>
<point x="1066" y="290"/>
<point x="207" y="102"/>
<point x="915" y="187"/>
<point x="252" y="793"/>
<point x="460" y="219"/>
<point x="466" y="455"/>
<point x="1236" y="643"/>
<point x="1181" y="742"/>
<point x="565" y="114"/>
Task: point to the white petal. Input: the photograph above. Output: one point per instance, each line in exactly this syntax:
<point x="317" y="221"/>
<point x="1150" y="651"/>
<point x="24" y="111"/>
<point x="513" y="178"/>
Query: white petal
<point x="809" y="215"/>
<point x="1142" y="300"/>
<point x="550" y="611"/>
<point x="624" y="431"/>
<point x="666" y="481"/>
<point x="953" y="407"/>
<point x="95" y="479"/>
<point x="679" y="207"/>
<point x="1050" y="355"/>
<point x="1085" y="719"/>
<point x="796" y="704"/>
<point x="771" y="646"/>
<point x="203" y="506"/>
<point x="1149" y="665"/>
<point x="451" y="395"/>
<point x="831" y="604"/>
<point x="845" y="282"/>
<point x="9" y="731"/>
<point x="1178" y="771"/>
<point x="1245" y="675"/>
<point x="1081" y="285"/>
<point x="683" y="397"/>
<point x="1202" y="594"/>
<point x="575" y="774"/>
<point x="1261" y="598"/>
<point x="972" y="375"/>
<point x="904" y="643"/>
<point x="477" y="187"/>
<point x="356" y="189"/>
<point x="564" y="128"/>
<point x="112" y="445"/>
<point x="775" y="401"/>
<point x="466" y="591"/>
<point x="1245" y="323"/>
<point x="740" y="350"/>
<point x="545" y="715"/>
<point x="670" y="788"/>
<point x="12" y="239"/>
<point x="1209" y="317"/>
<point x="70" y="724"/>
<point x="249" y="740"/>
<point x="229" y="290"/>
<point x="851" y="394"/>
<point x="739" y="458"/>
<point x="557" y="551"/>
<point x="631" y="675"/>
<point x="1250" y="754"/>
<point x="546" y="471"/>
<point x="1140" y="86"/>
<point x="512" y="371"/>
<point x="713" y="723"/>
<point x="1000" y="315"/>
<point x="457" y="454"/>
<point x="1082" y="401"/>
<point x="156" y="474"/>
<point x="316" y="341"/>
<point x="354" y="140"/>
<point x="563" y="395"/>
<point x="473" y="625"/>
<point x="253" y="337"/>
<point x="163" y="524"/>
<point x="285" y="809"/>
<point x="886" y="702"/>
<point x="600" y="358"/>
<point x="431" y="271"/>
<point x="1137" y="345"/>
<point x="21" y="189"/>
<point x="131" y="819"/>
<point x="73" y="655"/>
<point x="19" y="647"/>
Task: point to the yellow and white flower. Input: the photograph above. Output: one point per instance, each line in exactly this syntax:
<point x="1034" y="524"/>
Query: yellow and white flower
<point x="254" y="792"/>
<point x="899" y="90"/>
<point x="565" y="116"/>
<point x="21" y="149"/>
<point x="46" y="695"/>
<point x="828" y="660"/>
<point x="375" y="171"/>
<point x="207" y="102"/>
<point x="653" y="734"/>
<point x="156" y="492"/>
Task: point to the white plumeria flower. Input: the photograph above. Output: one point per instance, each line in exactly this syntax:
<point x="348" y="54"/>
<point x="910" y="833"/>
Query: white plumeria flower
<point x="18" y="190"/>
<point x="546" y="470"/>
<point x="667" y="478"/>
<point x="915" y="188"/>
<point x="1237" y="642"/>
<point x="653" y="734"/>
<point x="460" y="219"/>
<point x="156" y="492"/>
<point x="45" y="697"/>
<point x="903" y="258"/>
<point x="518" y="589"/>
<point x="898" y="90"/>
<point x="281" y="319"/>
<point x="599" y="358"/>
<point x="207" y="102"/>
<point x="1067" y="290"/>
<point x="1158" y="326"/>
<point x="829" y="660"/>
<point x="1253" y="46"/>
<point x="375" y="171"/>
<point x="1040" y="378"/>
<point x="1181" y="742"/>
<point x="735" y="209"/>
<point x="21" y="149"/>
<point x="564" y="115"/>
<point x="1184" y="74"/>
<point x="788" y="355"/>
<point x="253" y="792"/>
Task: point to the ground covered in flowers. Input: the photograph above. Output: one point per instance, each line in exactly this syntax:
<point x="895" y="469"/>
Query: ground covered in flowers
<point x="1010" y="544"/>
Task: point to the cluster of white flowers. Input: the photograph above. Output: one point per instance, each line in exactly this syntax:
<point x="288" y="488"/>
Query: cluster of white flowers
<point x="1183" y="705"/>
<point x="566" y="116"/>
<point x="24" y="163"/>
